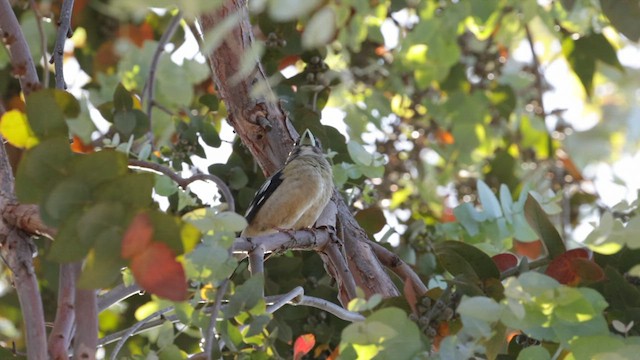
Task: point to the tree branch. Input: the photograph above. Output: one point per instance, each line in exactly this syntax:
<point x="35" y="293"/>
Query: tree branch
<point x="132" y="330"/>
<point x="269" y="143"/>
<point x="266" y="131"/>
<point x="280" y="242"/>
<point x="43" y="44"/>
<point x="17" y="250"/>
<point x="23" y="66"/>
<point x="399" y="267"/>
<point x="149" y="87"/>
<point x="184" y="183"/>
<point x="116" y="295"/>
<point x="60" y="336"/>
<point x="27" y="218"/>
<point x="211" y="340"/>
<point x="327" y="306"/>
<point x="275" y="302"/>
<point x="64" y="32"/>
<point x="85" y="341"/>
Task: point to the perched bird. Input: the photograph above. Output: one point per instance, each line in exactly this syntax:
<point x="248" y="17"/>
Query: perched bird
<point x="294" y="197"/>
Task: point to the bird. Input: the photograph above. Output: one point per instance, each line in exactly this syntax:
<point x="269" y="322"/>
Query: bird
<point x="292" y="198"/>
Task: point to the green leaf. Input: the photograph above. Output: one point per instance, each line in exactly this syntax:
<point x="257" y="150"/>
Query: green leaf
<point x="209" y="262"/>
<point x="583" y="53"/>
<point x="460" y="258"/>
<point x="97" y="168"/>
<point x="68" y="103"/>
<point x="171" y="352"/>
<point x="46" y="115"/>
<point x="246" y="296"/>
<point x="125" y="122"/>
<point x="624" y="15"/>
<point x="210" y="135"/>
<point x="489" y="201"/>
<point x="586" y="347"/>
<point x="68" y="246"/>
<point x="469" y="217"/>
<point x="165" y="186"/>
<point x="321" y="29"/>
<point x="237" y="178"/>
<point x="359" y="154"/>
<point x="41" y="168"/>
<point x="207" y="219"/>
<point x="534" y="353"/>
<point x="166" y="229"/>
<point x="386" y="334"/>
<point x="102" y="267"/>
<point x="258" y="324"/>
<point x="371" y="219"/>
<point x="101" y="217"/>
<point x="211" y="101"/>
<point x="540" y="223"/>
<point x="65" y="198"/>
<point x="287" y="10"/>
<point x="165" y="334"/>
<point x="133" y="190"/>
<point x="478" y="314"/>
<point x="122" y="100"/>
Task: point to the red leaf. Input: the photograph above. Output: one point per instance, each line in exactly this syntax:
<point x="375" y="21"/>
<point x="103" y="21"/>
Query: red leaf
<point x="573" y="266"/>
<point x="530" y="249"/>
<point x="288" y="61"/>
<point x="78" y="146"/>
<point x="505" y="261"/>
<point x="588" y="270"/>
<point x="157" y="271"/>
<point x="302" y="346"/>
<point x="137" y="237"/>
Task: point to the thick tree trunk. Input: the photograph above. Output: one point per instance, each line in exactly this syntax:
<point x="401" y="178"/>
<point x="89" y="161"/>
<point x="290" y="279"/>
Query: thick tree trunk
<point x="264" y="128"/>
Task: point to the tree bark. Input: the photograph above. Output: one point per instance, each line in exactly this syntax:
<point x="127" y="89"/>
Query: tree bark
<point x="263" y="126"/>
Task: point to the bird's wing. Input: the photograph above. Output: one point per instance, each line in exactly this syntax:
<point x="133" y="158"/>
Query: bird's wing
<point x="266" y="190"/>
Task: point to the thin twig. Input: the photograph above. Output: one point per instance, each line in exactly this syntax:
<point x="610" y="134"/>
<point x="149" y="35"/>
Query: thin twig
<point x="43" y="44"/>
<point x="300" y="300"/>
<point x="211" y="330"/>
<point x="329" y="307"/>
<point x="538" y="78"/>
<point x="184" y="183"/>
<point x="60" y="337"/>
<point x="85" y="340"/>
<point x="111" y="338"/>
<point x="285" y="299"/>
<point x="22" y="62"/>
<point x="399" y="267"/>
<point x="150" y="85"/>
<point x="132" y="330"/>
<point x="116" y="295"/>
<point x="64" y="29"/>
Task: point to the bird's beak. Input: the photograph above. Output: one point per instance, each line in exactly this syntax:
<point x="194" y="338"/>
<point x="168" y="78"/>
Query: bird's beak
<point x="307" y="138"/>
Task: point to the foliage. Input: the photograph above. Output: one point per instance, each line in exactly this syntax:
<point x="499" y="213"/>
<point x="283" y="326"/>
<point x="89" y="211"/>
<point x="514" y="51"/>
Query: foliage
<point x="440" y="122"/>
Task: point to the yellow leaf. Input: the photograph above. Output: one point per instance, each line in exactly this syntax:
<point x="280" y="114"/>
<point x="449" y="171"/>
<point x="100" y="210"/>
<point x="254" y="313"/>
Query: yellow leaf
<point x="15" y="128"/>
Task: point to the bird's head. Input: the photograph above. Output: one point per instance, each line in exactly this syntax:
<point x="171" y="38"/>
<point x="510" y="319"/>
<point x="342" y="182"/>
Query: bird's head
<point x="307" y="139"/>
<point x="305" y="146"/>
